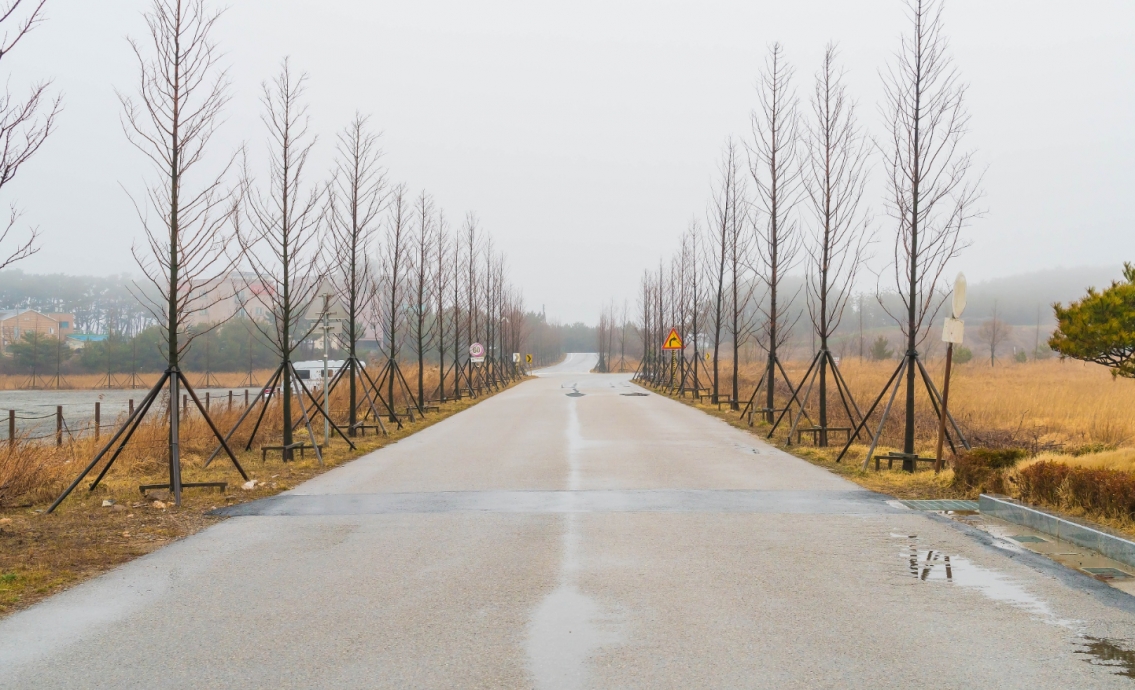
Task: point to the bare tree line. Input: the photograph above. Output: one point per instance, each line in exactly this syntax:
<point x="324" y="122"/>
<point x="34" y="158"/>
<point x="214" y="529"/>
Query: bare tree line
<point x="307" y="246"/>
<point x="793" y="195"/>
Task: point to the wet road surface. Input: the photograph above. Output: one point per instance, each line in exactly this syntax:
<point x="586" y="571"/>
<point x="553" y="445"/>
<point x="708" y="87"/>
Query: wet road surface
<point x="565" y="534"/>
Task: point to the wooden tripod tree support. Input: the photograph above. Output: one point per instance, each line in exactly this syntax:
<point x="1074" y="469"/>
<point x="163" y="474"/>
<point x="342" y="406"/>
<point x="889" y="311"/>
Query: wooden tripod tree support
<point x="126" y="431"/>
<point x="845" y="396"/>
<point x="475" y="378"/>
<point x="265" y="400"/>
<point x="396" y="379"/>
<point x="271" y="387"/>
<point x="339" y="376"/>
<point x="911" y="359"/>
<point x="352" y="366"/>
<point x="208" y="380"/>
<point x="749" y="408"/>
<point x="458" y="371"/>
<point x="689" y="378"/>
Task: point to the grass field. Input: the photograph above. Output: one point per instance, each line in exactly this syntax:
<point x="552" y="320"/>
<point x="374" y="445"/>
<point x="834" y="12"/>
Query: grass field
<point x="1043" y="406"/>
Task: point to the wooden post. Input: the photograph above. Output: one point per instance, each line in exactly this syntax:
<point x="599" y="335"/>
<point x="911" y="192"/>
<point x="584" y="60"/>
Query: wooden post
<point x="246" y="397"/>
<point x="184" y="405"/>
<point x="230" y="401"/>
<point x="206" y="401"/>
<point x="98" y="418"/>
<point x="945" y="401"/>
<point x="131" y="406"/>
<point x="58" y="425"/>
<point x="11" y="429"/>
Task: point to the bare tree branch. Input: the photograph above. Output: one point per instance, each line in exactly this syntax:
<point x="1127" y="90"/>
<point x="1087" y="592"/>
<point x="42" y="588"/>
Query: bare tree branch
<point x="181" y="92"/>
<point x="25" y="123"/>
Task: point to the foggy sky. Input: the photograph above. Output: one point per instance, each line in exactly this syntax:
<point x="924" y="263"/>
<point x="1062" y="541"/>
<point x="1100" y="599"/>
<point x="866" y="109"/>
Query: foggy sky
<point x="585" y="135"/>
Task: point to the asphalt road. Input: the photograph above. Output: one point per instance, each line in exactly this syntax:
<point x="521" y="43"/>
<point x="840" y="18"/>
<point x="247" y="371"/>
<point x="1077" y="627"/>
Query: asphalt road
<point x="574" y="533"/>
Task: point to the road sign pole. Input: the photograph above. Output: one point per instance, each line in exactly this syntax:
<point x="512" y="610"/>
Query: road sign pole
<point x="945" y="402"/>
<point x="952" y="332"/>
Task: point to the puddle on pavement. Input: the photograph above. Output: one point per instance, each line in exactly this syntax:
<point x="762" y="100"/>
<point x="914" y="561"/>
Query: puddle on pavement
<point x="567" y="629"/>
<point x="564" y="633"/>
<point x="1101" y="652"/>
<point x="931" y="565"/>
<point x="634" y="395"/>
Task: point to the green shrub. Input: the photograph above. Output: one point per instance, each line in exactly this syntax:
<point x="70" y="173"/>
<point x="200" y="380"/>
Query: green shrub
<point x="1021" y="356"/>
<point x="880" y="349"/>
<point x="962" y="354"/>
<point x="1089" y="448"/>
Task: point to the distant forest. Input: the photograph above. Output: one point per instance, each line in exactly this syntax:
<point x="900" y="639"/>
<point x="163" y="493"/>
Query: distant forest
<point x="105" y="305"/>
<point x="100" y="304"/>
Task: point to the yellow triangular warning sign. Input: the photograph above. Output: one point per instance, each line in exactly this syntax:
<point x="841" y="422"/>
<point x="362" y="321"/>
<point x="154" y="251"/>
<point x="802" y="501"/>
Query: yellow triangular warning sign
<point x="673" y="341"/>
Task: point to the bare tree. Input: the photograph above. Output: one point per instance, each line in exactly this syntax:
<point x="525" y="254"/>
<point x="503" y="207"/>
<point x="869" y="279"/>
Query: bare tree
<point x="776" y="174"/>
<point x="601" y="329"/>
<point x="646" y="325"/>
<point x="693" y="248"/>
<point x="472" y="254"/>
<point x="933" y="195"/>
<point x="392" y="286"/>
<point x="624" y="324"/>
<point x="181" y="92"/>
<point x="279" y="232"/>
<point x="25" y="123"/>
<point x="834" y="180"/>
<point x="423" y="244"/>
<point x="741" y="283"/>
<point x="993" y="333"/>
<point x="499" y="294"/>
<point x="721" y="255"/>
<point x="444" y="261"/>
<point x="355" y="199"/>
<point x="488" y="292"/>
<point x="456" y="285"/>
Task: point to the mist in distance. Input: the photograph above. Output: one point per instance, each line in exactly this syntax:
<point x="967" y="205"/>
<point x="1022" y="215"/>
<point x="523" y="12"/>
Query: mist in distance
<point x="586" y="137"/>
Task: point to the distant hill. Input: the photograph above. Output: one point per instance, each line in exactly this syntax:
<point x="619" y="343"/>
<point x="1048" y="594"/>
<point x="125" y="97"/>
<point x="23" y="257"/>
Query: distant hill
<point x="1019" y="297"/>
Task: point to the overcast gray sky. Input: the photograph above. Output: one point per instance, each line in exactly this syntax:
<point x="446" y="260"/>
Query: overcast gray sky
<point x="585" y="135"/>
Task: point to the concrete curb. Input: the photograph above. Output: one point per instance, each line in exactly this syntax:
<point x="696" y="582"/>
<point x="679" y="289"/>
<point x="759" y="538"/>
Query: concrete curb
<point x="1013" y="511"/>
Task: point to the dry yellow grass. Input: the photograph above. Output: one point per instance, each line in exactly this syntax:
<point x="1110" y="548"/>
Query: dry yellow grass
<point x="1116" y="459"/>
<point x="1042" y="405"/>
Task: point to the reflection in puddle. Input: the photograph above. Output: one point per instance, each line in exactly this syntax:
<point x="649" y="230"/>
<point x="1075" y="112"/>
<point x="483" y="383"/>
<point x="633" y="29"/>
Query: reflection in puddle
<point x="1100" y="652"/>
<point x="564" y="633"/>
<point x="930" y="565"/>
<point x="568" y="628"/>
